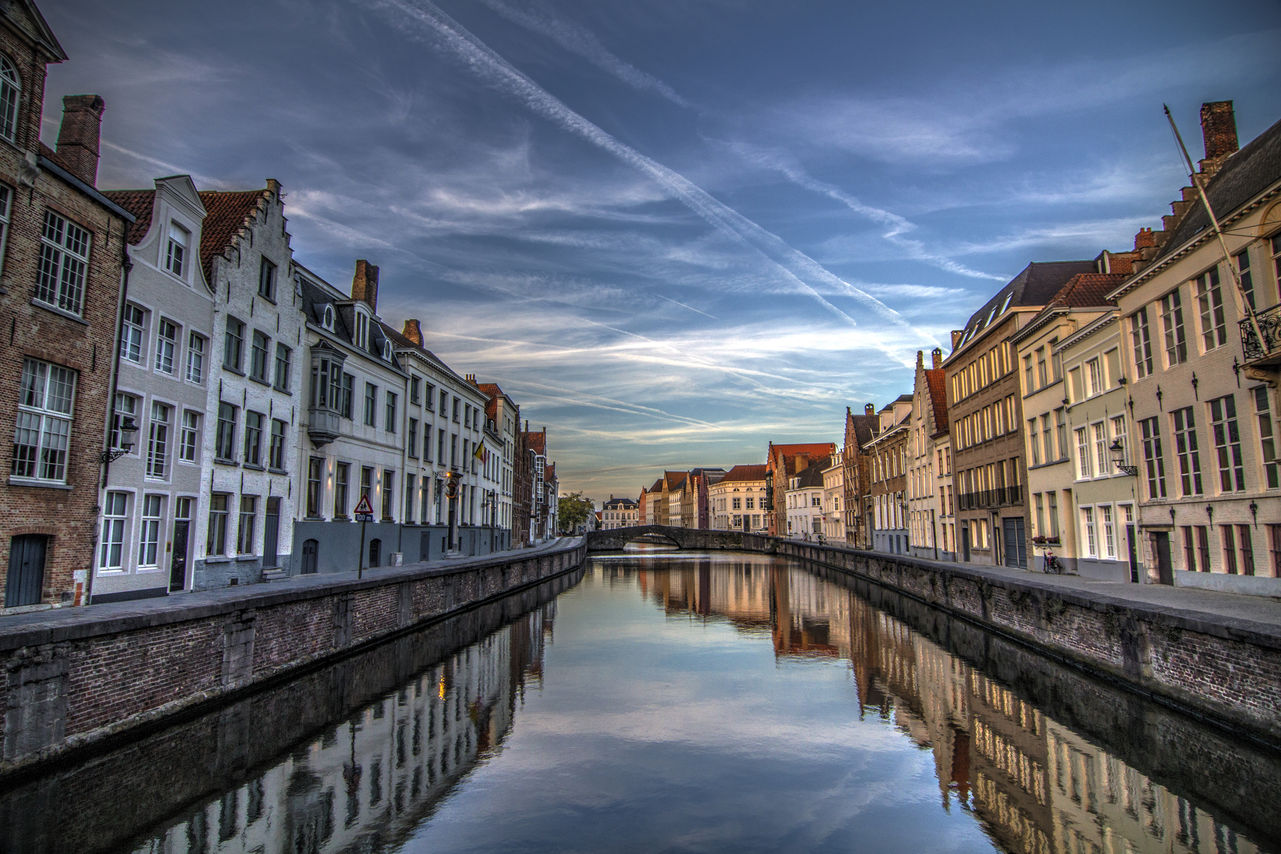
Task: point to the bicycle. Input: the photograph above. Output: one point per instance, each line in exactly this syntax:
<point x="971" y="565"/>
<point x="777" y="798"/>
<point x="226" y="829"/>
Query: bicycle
<point x="1051" y="564"/>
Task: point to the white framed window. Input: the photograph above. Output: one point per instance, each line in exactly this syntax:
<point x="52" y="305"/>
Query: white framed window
<point x="1153" y="459"/>
<point x="1102" y="463"/>
<point x="283" y="358"/>
<point x="149" y="534"/>
<point x="1185" y="450"/>
<point x="115" y="516"/>
<point x="177" y="249"/>
<point x="46" y="400"/>
<point x="1090" y="535"/>
<point x="64" y="264"/>
<point x="216" y="541"/>
<point x="133" y="332"/>
<point x="126" y="406"/>
<point x="248" y="520"/>
<point x="233" y="345"/>
<point x="1141" y="340"/>
<point x="166" y="345"/>
<point x="253" y="438"/>
<point x="196" y="358"/>
<point x="1093" y="377"/>
<point x="1082" y="454"/>
<point x="1209" y="297"/>
<point x="276" y="453"/>
<point x="258" y="349"/>
<point x="267" y="280"/>
<point x="327" y="319"/>
<point x="189" y="439"/>
<point x="1176" y="345"/>
<point x="362" y="330"/>
<point x="1108" y="530"/>
<point x="6" y="206"/>
<point x="10" y="97"/>
<point x="1268" y="448"/>
<point x="1227" y="443"/>
<point x="158" y="440"/>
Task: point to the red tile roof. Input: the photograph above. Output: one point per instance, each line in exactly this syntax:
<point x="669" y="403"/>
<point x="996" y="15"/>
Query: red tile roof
<point x="657" y="487"/>
<point x="139" y="203"/>
<point x="674" y="478"/>
<point x="537" y="440"/>
<point x="934" y="378"/>
<point x="226" y="214"/>
<point x="1088" y="289"/>
<point x="742" y="473"/>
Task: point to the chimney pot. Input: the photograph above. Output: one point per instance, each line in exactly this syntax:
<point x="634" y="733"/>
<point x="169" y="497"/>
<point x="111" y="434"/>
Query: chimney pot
<point x="869" y="409"/>
<point x="364" y="285"/>
<point x="1219" y="130"/>
<point x="936" y="358"/>
<point x="79" y="134"/>
<point x="413" y="331"/>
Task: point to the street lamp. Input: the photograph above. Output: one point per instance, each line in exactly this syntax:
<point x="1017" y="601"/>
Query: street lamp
<point x="128" y="432"/>
<point x="1117" y="455"/>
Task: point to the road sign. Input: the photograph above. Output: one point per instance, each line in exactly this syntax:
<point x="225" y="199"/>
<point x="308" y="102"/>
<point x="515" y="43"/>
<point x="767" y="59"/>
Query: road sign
<point x="363" y="507"/>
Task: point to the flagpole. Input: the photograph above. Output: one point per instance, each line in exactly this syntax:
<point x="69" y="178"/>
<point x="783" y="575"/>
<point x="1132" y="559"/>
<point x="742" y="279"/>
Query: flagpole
<point x="1243" y="303"/>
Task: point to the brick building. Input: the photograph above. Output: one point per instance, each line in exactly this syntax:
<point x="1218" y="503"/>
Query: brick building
<point x="782" y="462"/>
<point x="859" y="430"/>
<point x="62" y="251"/>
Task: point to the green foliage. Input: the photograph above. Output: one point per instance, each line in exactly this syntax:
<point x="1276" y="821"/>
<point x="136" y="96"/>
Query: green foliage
<point x="573" y="510"/>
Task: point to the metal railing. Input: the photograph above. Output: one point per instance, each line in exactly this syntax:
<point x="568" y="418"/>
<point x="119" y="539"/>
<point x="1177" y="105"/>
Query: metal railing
<point x="1269" y="321"/>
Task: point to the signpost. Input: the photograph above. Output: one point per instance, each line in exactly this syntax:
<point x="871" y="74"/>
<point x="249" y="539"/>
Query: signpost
<point x="364" y="513"/>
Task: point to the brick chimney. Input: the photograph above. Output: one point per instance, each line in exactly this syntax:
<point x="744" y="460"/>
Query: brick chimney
<point x="936" y="358"/>
<point x="364" y="285"/>
<point x="920" y="359"/>
<point x="1219" y="130"/>
<point x="869" y="409"/>
<point x="413" y="331"/>
<point x="78" y="136"/>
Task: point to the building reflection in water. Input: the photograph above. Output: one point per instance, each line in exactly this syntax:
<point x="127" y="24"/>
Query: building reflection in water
<point x="1035" y="785"/>
<point x="366" y="784"/>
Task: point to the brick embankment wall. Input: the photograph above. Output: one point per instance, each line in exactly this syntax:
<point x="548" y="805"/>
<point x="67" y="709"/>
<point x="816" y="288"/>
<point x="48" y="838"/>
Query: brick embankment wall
<point x="1225" y="671"/>
<point x="70" y="678"/>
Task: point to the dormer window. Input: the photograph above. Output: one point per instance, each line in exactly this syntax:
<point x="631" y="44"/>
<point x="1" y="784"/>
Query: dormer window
<point x="10" y="93"/>
<point x="176" y="249"/>
<point x="362" y="330"/>
<point x="387" y="351"/>
<point x="327" y="319"/>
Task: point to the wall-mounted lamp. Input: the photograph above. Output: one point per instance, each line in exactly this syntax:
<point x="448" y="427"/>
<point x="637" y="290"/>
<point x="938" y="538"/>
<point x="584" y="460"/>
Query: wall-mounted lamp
<point x="1171" y="515"/>
<point x="1195" y="382"/>
<point x="1254" y="511"/>
<point x="1158" y="396"/>
<point x="1117" y="454"/>
<point x="128" y="432"/>
<point x="1209" y="513"/>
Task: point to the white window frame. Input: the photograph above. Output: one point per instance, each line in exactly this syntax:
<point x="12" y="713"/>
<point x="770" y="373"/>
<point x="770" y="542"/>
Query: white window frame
<point x="189" y="437"/>
<point x="196" y="350"/>
<point x="177" y="250"/>
<point x="158" y="440"/>
<point x="153" y="512"/>
<point x="42" y="432"/>
<point x="133" y="333"/>
<point x="10" y="98"/>
<point x="63" y="273"/>
<point x="166" y="345"/>
<point x="115" y="518"/>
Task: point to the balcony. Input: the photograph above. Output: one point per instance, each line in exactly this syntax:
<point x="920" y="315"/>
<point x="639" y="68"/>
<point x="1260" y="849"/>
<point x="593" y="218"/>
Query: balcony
<point x="1265" y="353"/>
<point x="322" y="425"/>
<point x="989" y="498"/>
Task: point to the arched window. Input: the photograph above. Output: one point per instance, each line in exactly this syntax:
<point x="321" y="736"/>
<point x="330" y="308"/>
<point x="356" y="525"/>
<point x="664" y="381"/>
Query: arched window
<point x="375" y="552"/>
<point x="327" y="320"/>
<point x="10" y="90"/>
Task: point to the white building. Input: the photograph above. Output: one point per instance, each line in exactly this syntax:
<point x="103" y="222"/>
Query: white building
<point x="619" y="513"/>
<point x="154" y="494"/>
<point x="804" y="498"/>
<point x="833" y="496"/>
<point x="738" y="501"/>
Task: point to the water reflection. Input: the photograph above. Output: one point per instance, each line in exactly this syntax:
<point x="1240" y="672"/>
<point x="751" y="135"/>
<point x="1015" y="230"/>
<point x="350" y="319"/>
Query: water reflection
<point x="1035" y="784"/>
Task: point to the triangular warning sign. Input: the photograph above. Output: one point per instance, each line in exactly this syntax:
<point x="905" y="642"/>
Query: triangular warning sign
<point x="363" y="507"/>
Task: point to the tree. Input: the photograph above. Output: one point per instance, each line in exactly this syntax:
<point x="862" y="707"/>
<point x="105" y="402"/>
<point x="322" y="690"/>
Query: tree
<point x="573" y="510"/>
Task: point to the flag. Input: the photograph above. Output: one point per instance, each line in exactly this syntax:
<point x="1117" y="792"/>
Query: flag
<point x="482" y="453"/>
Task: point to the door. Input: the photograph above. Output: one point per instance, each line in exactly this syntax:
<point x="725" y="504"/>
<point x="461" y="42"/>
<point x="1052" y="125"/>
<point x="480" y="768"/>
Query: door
<point x="375" y="552"/>
<point x="178" y="557"/>
<point x="1015" y="542"/>
<point x="965" y="542"/>
<point x="271" y="535"/>
<point x="1134" y="558"/>
<point x="26" y="570"/>
<point x="309" y="548"/>
<point x="1164" y="569"/>
<point x="424" y="546"/>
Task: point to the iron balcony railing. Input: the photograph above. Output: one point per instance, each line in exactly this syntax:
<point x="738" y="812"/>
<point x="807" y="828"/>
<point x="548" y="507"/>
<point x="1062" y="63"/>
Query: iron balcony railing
<point x="985" y="498"/>
<point x="1269" y="321"/>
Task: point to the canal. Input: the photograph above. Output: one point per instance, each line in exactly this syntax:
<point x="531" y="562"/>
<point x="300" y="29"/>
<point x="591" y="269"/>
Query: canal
<point x="672" y="702"/>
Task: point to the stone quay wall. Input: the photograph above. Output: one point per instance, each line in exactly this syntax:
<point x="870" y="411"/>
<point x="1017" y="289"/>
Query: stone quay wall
<point x="70" y="678"/>
<point x="1224" y="671"/>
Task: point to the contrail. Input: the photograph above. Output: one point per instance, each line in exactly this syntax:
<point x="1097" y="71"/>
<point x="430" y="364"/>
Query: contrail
<point x="785" y="259"/>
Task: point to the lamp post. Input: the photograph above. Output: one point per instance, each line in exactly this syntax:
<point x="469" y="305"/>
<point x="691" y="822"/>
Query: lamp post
<point x="128" y="432"/>
<point x="1117" y="454"/>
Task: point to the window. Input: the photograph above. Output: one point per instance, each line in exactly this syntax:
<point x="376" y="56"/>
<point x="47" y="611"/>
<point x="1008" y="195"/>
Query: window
<point x="283" y="358"/>
<point x="390" y="423"/>
<point x="43" y="425"/>
<point x="348" y="383"/>
<point x="362" y="330"/>
<point x="1227" y="443"/>
<point x="1082" y="454"/>
<point x="1274" y="546"/>
<point x="750" y="503"/>
<point x="253" y="438"/>
<point x="1246" y="544"/>
<point x="1243" y="273"/>
<point x="115" y="514"/>
<point x="189" y="437"/>
<point x="1268" y="450"/>
<point x="440" y="446"/>
<point x="1060" y="429"/>
<point x="10" y="96"/>
<point x="166" y="345"/>
<point x="426" y="443"/>
<point x="158" y="440"/>
<point x="1102" y="464"/>
<point x="1209" y="298"/>
<point x="225" y="437"/>
<point x="267" y="280"/>
<point x="276" y="456"/>
<point x="149" y="534"/>
<point x="248" y="518"/>
<point x="736" y="503"/>
<point x="1185" y="451"/>
<point x="1176" y="345"/>
<point x="1090" y="538"/>
<point x="388" y="493"/>
<point x="1028" y="376"/>
<point x="1140" y="338"/>
<point x="1033" y="443"/>
<point x="216" y="542"/>
<point x="1153" y="460"/>
<point x="6" y="202"/>
<point x="233" y="343"/>
<point x="176" y="249"/>
<point x="1053" y="514"/>
<point x="315" y="471"/>
<point x="195" y="358"/>
<point x="1109" y="533"/>
<point x="457" y="409"/>
<point x="366" y="482"/>
<point x="1229" y="549"/>
<point x="1093" y="377"/>
<point x="1189" y="551"/>
<point x="64" y="264"/>
<point x="415" y="390"/>
<point x="126" y="407"/>
<point x="411" y="439"/>
<point x="371" y="403"/>
<point x="411" y="486"/>
<point x="342" y="478"/>
<point x="133" y="331"/>
<point x="258" y="356"/>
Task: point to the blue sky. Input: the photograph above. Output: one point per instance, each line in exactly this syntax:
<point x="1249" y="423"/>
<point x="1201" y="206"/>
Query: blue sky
<point x="675" y="231"/>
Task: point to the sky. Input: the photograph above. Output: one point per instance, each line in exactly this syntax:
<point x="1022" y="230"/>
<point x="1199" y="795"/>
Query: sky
<point x="674" y="231"/>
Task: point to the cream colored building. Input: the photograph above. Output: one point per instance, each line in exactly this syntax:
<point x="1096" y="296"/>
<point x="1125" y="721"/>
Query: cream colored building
<point x="833" y="495"/>
<point x="805" y="502"/>
<point x="1203" y="379"/>
<point x="930" y="517"/>
<point x="738" y="501"/>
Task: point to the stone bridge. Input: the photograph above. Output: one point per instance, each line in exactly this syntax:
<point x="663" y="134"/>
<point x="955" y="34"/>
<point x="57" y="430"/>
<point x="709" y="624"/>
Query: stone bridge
<point x="691" y="539"/>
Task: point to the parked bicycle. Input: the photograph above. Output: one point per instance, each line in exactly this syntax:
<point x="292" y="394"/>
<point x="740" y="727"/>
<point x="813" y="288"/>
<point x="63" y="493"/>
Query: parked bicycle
<point x="1052" y="564"/>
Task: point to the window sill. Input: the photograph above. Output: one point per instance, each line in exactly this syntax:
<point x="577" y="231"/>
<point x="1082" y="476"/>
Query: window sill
<point x="229" y="369"/>
<point x="222" y="461"/>
<point x="260" y="380"/>
<point x="39" y="484"/>
<point x="62" y="312"/>
<point x="217" y="559"/>
<point x="273" y="470"/>
<point x="252" y="467"/>
<point x="245" y="558"/>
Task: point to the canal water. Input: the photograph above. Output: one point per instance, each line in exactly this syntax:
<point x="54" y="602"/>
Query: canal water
<point x="678" y="702"/>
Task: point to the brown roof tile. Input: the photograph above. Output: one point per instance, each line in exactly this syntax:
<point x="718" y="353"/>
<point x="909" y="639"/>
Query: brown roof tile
<point x="1088" y="289"/>
<point x="227" y="213"/>
<point x="935" y="379"/>
<point x="140" y="204"/>
<point x="747" y="472"/>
